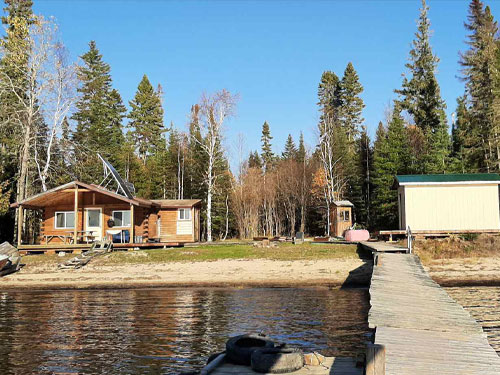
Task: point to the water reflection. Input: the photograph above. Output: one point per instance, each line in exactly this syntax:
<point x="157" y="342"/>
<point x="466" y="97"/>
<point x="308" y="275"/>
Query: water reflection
<point x="162" y="331"/>
<point x="483" y="303"/>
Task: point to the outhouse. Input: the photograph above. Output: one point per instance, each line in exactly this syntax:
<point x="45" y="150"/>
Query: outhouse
<point x="340" y="217"/>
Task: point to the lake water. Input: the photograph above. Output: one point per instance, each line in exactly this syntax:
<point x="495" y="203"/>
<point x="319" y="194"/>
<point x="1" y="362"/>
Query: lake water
<point x="483" y="303"/>
<point x="165" y="331"/>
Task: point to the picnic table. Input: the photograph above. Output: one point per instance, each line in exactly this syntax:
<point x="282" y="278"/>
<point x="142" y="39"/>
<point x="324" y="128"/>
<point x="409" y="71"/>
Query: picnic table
<point x="63" y="237"/>
<point x="86" y="236"/>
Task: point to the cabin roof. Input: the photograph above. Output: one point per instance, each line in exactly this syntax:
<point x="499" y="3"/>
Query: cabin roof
<point x="177" y="202"/>
<point x="448" y="179"/>
<point x="44" y="198"/>
<point x="343" y="203"/>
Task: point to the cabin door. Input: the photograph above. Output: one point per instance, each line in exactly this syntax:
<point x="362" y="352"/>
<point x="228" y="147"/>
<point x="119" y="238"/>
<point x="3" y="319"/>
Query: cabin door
<point x="93" y="222"/>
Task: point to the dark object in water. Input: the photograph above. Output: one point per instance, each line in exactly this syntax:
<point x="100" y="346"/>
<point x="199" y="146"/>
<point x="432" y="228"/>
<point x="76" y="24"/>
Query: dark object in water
<point x="9" y="259"/>
<point x="239" y="349"/>
<point x="277" y="360"/>
<point x="213" y="356"/>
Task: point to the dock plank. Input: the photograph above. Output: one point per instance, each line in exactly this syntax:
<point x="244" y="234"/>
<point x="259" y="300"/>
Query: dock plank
<point x="332" y="365"/>
<point x="423" y="329"/>
<point x="383" y="247"/>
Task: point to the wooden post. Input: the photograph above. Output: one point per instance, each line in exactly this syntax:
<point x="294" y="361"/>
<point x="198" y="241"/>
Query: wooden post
<point x="375" y="359"/>
<point x="20" y="219"/>
<point x="75" y="230"/>
<point x="132" y="228"/>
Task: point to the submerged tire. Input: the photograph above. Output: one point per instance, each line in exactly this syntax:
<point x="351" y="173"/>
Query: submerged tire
<point x="277" y="360"/>
<point x="239" y="349"/>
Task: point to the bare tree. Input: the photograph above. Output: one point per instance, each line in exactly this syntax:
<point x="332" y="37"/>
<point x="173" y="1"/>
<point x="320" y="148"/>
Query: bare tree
<point x="214" y="110"/>
<point x="48" y="96"/>
<point x="335" y="182"/>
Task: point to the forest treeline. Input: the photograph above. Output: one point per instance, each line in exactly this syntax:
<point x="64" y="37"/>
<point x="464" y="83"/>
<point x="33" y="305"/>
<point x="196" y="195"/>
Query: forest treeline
<point x="56" y="115"/>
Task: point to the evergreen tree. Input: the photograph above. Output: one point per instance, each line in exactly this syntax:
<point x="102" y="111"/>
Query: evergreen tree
<point x="362" y="184"/>
<point x="480" y="72"/>
<point x="329" y="93"/>
<point x="351" y="103"/>
<point x="421" y="98"/>
<point x="390" y="159"/>
<point x="254" y="160"/>
<point x="301" y="152"/>
<point x="99" y="116"/>
<point x="290" y="151"/>
<point x="146" y="118"/>
<point x="267" y="152"/>
<point x="459" y="136"/>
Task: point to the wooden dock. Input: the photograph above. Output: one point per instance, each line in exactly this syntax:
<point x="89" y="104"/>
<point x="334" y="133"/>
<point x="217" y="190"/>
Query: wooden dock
<point x="335" y="366"/>
<point x="423" y="329"/>
<point x="382" y="247"/>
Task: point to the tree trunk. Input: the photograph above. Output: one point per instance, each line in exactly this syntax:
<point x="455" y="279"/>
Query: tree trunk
<point x="209" y="200"/>
<point x="23" y="174"/>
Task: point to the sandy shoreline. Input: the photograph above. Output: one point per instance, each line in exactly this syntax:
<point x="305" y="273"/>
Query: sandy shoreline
<point x="243" y="273"/>
<point x="220" y="273"/>
<point x="465" y="271"/>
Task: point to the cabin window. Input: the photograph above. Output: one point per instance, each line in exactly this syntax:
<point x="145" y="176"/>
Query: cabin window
<point x="121" y="218"/>
<point x="65" y="220"/>
<point x="184" y="213"/>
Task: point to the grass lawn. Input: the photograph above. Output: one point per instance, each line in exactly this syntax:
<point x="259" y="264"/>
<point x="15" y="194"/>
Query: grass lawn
<point x="284" y="251"/>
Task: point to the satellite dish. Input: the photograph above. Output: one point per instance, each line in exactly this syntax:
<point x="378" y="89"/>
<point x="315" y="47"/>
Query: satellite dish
<point x="125" y="188"/>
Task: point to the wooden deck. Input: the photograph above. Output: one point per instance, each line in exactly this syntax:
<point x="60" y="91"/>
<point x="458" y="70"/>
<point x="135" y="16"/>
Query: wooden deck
<point x="336" y="366"/>
<point x="78" y="248"/>
<point x="423" y="329"/>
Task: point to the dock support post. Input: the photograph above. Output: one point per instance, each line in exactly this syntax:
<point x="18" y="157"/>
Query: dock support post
<point x="375" y="359"/>
<point x="20" y="220"/>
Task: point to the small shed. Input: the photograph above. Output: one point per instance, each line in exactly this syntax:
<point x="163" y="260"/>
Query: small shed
<point x="340" y="217"/>
<point x="449" y="202"/>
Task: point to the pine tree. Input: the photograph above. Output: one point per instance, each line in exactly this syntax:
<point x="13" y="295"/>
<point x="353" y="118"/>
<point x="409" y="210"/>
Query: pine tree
<point x="390" y="159"/>
<point x="99" y="116"/>
<point x="254" y="160"/>
<point x="301" y="152"/>
<point x="290" y="151"/>
<point x="459" y="132"/>
<point x="362" y="184"/>
<point x="351" y="103"/>
<point x="329" y="94"/>
<point x="267" y="152"/>
<point x="146" y="118"/>
<point x="421" y="98"/>
<point x="480" y="73"/>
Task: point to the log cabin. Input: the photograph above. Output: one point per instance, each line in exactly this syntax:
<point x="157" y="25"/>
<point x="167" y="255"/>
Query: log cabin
<point x="76" y="214"/>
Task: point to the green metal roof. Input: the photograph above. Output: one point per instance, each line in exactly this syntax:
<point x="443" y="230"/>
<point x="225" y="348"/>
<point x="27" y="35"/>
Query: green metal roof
<point x="447" y="178"/>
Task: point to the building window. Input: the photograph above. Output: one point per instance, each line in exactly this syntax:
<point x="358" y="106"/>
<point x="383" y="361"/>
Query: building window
<point x="121" y="218"/>
<point x="65" y="220"/>
<point x="184" y="213"/>
<point x="344" y="215"/>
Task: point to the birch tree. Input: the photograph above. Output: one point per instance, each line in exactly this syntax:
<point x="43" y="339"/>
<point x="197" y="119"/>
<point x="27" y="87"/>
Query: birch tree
<point x="214" y="111"/>
<point x="330" y="160"/>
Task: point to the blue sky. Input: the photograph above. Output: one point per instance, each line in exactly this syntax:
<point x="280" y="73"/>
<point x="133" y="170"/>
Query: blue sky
<point x="272" y="53"/>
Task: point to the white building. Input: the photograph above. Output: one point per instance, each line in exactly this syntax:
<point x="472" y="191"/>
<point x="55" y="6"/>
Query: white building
<point x="449" y="202"/>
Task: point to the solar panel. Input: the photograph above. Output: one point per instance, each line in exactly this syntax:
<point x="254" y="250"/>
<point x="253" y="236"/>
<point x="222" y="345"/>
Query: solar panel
<point x="125" y="188"/>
